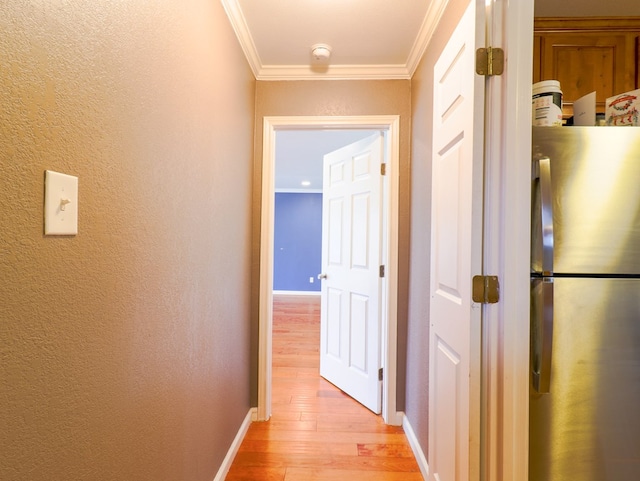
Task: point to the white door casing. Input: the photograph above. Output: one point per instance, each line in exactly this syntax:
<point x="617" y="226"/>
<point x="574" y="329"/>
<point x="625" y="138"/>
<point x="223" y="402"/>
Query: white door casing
<point x="506" y="243"/>
<point x="391" y="125"/>
<point x="456" y="255"/>
<point x="351" y="256"/>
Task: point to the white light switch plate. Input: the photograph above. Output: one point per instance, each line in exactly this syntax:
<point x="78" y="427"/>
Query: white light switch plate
<point x="60" y="204"/>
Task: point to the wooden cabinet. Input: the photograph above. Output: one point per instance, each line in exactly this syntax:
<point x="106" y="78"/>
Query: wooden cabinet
<point x="587" y="54"/>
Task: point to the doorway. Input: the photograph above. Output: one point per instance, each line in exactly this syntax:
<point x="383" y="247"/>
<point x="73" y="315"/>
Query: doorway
<point x="390" y="125"/>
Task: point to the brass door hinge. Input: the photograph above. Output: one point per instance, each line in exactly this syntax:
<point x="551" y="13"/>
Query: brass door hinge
<point x="381" y="271"/>
<point x="489" y="61"/>
<point x="383" y="169"/>
<point x="486" y="289"/>
<point x="380" y="375"/>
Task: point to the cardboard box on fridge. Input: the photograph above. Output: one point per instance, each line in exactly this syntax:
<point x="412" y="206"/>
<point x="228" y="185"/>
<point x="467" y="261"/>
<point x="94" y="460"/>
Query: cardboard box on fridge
<point x="623" y="109"/>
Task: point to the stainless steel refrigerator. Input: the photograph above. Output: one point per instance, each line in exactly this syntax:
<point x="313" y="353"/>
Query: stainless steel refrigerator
<point x="584" y="418"/>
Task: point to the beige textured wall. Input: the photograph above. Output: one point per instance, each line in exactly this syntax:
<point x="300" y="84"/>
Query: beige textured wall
<point x="417" y="388"/>
<point x="124" y="351"/>
<point x="333" y="97"/>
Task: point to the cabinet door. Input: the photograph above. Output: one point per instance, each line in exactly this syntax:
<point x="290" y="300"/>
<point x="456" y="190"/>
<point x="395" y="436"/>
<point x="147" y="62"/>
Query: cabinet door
<point x="584" y="62"/>
<point x="537" y="58"/>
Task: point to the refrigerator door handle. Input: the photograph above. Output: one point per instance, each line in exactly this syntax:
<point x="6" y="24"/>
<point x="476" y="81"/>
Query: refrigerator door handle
<point x="543" y="337"/>
<point x="546" y="214"/>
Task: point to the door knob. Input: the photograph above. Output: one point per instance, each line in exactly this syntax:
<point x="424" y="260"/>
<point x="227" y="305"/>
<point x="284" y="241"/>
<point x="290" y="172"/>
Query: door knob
<point x="322" y="276"/>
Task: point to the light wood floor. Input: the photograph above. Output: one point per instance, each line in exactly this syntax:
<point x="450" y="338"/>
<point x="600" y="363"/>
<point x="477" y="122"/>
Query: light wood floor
<point x="316" y="432"/>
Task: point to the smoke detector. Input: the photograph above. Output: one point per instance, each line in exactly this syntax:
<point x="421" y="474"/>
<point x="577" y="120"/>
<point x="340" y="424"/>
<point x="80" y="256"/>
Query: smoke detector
<point x="321" y="52"/>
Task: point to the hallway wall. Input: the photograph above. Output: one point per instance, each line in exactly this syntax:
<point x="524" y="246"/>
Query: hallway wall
<point x="417" y="388"/>
<point x="340" y="98"/>
<point x="297" y="241"/>
<point x="124" y="350"/>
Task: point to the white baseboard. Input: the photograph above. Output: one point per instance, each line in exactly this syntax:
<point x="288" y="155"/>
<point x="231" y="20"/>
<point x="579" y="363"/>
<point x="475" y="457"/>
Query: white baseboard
<point x="233" y="450"/>
<point x="296" y="293"/>
<point x="415" y="447"/>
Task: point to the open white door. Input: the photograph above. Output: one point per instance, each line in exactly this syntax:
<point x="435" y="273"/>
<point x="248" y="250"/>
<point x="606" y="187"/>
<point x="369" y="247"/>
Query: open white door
<point x="351" y="231"/>
<point x="456" y="255"/>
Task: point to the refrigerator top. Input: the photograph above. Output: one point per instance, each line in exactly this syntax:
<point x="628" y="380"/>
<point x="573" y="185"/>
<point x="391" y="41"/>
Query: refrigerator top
<point x="592" y="200"/>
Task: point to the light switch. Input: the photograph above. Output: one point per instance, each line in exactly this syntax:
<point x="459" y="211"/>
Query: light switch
<point x="60" y="204"/>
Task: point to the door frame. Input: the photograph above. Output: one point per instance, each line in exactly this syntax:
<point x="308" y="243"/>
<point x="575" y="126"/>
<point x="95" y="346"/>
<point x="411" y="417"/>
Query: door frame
<point x="389" y="294"/>
<point x="505" y="350"/>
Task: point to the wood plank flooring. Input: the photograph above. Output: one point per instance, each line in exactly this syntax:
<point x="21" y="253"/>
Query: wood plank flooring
<point x="316" y="432"/>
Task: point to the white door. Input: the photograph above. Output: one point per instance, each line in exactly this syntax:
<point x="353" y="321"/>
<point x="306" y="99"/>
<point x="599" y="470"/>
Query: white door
<point x="350" y="311"/>
<point x="457" y="199"/>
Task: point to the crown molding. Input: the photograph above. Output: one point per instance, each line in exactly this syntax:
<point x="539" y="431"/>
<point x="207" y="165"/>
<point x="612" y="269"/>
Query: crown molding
<point x="240" y="27"/>
<point x="427" y="29"/>
<point x="334" y="72"/>
<point x="284" y="190"/>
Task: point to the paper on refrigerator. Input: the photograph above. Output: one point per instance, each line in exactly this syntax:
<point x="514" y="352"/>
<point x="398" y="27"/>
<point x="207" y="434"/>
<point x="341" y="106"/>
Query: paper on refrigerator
<point x="584" y="110"/>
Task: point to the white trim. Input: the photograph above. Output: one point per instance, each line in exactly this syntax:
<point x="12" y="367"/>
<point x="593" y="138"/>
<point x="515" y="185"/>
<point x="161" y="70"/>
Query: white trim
<point x="235" y="445"/>
<point x="298" y="191"/>
<point x="390" y="123"/>
<point x="240" y="27"/>
<point x="333" y="72"/>
<point x="492" y="254"/>
<point x="431" y="21"/>
<point x="518" y="41"/>
<point x="265" y="309"/>
<point x="297" y="293"/>
<point x="418" y="452"/>
<point x="507" y="239"/>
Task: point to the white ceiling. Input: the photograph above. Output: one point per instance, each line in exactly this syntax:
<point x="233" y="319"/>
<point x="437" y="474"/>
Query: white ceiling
<point x="370" y="39"/>
<point x="299" y="155"/>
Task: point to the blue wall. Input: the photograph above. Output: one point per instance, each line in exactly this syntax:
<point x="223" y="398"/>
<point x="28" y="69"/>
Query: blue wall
<point x="297" y="241"/>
